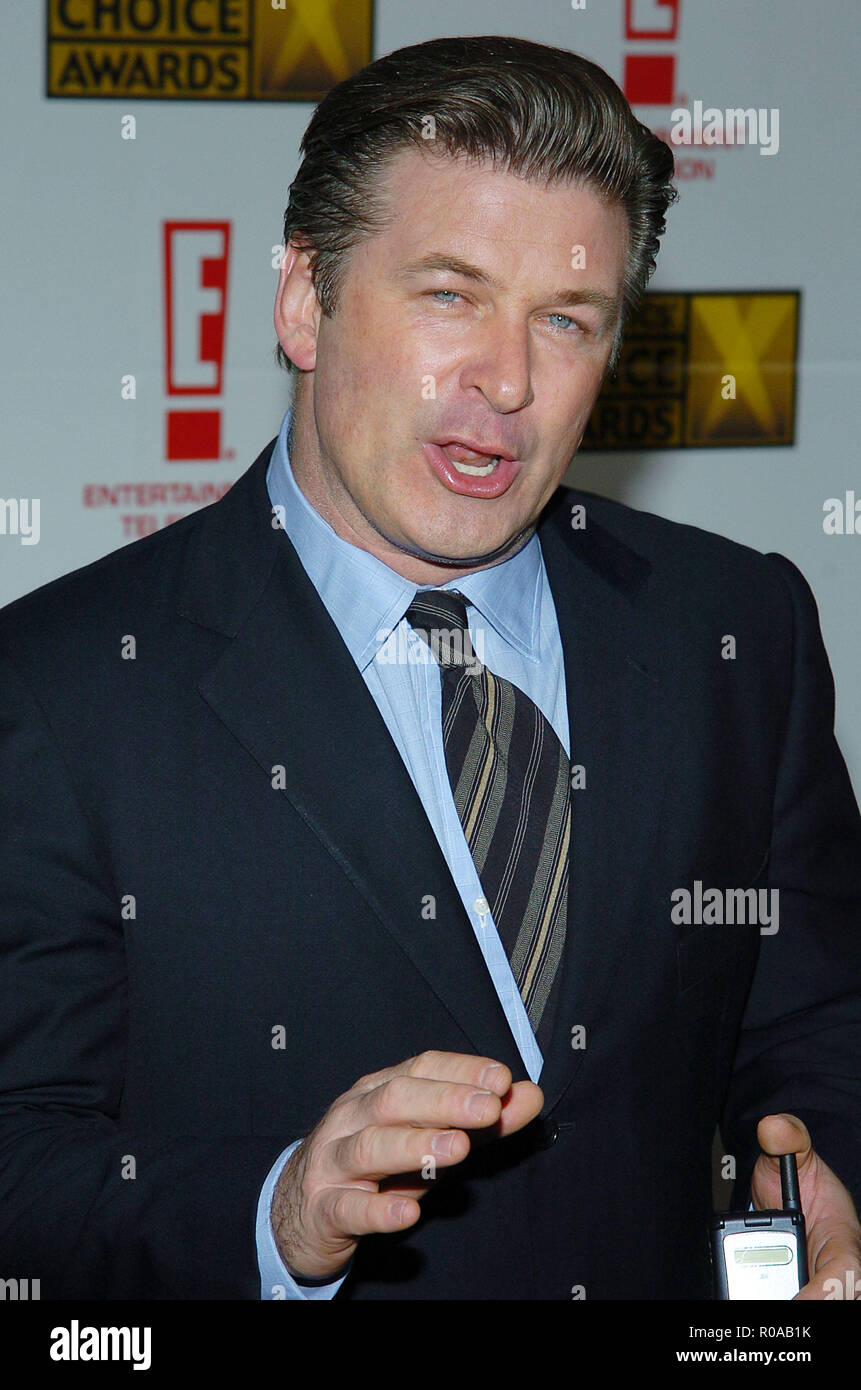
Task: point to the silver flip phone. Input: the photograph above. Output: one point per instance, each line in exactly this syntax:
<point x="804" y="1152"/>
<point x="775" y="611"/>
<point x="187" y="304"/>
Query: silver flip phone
<point x="762" y="1254"/>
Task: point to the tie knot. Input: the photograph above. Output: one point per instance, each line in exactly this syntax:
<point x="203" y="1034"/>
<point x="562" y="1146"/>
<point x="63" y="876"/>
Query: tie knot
<point x="438" y="616"/>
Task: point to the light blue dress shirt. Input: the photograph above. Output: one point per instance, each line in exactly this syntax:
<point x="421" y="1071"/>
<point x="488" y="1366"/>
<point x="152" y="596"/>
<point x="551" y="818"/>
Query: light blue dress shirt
<point x="512" y="621"/>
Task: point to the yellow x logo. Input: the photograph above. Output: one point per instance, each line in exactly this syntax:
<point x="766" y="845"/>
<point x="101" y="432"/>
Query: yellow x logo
<point x="741" y="368"/>
<point x="304" y="47"/>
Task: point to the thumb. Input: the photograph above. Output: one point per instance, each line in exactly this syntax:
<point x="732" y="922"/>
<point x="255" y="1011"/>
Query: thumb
<point x="784" y="1134"/>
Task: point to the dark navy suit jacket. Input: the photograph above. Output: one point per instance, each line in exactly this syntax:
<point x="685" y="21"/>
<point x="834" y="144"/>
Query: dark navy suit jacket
<point x="164" y="907"/>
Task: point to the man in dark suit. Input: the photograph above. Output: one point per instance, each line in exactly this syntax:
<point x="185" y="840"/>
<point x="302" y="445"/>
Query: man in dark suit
<point x="299" y="907"/>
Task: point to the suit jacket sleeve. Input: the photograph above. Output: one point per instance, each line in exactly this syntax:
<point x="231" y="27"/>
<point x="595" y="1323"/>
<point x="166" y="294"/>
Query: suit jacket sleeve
<point x="91" y="1211"/>
<point x="799" y="1048"/>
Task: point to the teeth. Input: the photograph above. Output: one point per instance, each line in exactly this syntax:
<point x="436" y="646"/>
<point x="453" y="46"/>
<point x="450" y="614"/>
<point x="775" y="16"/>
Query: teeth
<point x="478" y="472"/>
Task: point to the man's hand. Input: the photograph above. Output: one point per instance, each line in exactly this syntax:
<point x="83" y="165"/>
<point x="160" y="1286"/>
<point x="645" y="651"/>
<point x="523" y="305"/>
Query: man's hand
<point x="833" y="1231"/>
<point x="337" y="1186"/>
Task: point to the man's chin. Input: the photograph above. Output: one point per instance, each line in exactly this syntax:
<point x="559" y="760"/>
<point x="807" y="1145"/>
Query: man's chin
<point x="448" y="558"/>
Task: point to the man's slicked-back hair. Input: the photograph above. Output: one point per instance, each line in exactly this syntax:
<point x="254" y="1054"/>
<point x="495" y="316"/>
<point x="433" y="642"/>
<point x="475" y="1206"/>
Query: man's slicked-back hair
<point x="542" y="113"/>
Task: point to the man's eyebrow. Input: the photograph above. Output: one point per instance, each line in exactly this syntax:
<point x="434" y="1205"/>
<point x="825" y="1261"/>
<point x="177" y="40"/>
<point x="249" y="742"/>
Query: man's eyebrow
<point x="570" y="298"/>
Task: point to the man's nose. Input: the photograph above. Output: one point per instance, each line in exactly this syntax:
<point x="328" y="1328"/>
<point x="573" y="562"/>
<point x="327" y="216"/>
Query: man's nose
<point x="499" y="365"/>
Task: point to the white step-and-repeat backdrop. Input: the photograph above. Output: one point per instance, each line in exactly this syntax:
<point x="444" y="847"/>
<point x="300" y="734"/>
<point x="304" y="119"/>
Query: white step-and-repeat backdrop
<point x="147" y="149"/>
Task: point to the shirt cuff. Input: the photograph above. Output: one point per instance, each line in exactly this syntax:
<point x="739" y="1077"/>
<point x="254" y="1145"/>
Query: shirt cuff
<point x="276" y="1281"/>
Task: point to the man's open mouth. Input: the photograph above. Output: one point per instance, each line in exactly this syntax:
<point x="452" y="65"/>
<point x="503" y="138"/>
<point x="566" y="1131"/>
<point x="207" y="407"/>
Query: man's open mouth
<point x="476" y="469"/>
<point x="471" y="461"/>
<point x="480" y="469"/>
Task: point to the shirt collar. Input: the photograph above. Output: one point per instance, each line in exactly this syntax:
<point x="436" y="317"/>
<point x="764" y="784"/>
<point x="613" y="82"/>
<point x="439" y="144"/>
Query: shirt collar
<point x="366" y="599"/>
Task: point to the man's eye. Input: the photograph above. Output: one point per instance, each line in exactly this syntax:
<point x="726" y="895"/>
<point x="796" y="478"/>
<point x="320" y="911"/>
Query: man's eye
<point x="566" y="325"/>
<point x="559" y="323"/>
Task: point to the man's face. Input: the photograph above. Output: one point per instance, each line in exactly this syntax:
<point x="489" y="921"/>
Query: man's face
<point x="463" y="332"/>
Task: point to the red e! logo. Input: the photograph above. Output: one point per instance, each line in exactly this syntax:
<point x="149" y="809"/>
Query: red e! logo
<point x="195" y="278"/>
<point x="650" y="77"/>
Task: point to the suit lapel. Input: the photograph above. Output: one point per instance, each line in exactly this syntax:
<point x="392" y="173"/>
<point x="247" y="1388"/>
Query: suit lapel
<point x="290" y="692"/>
<point x="619" y="654"/>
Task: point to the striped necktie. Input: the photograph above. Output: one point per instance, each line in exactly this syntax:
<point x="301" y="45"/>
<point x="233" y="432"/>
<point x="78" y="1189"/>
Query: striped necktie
<point x="510" y="777"/>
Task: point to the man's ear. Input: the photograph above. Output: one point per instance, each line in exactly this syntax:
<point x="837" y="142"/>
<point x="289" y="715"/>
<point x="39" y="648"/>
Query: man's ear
<point x="297" y="309"/>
